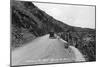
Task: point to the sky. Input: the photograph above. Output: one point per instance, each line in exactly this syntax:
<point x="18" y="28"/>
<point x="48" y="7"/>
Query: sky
<point x="80" y="16"/>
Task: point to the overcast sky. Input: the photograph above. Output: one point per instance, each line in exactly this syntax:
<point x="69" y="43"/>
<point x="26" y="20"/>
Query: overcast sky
<point x="80" y="16"/>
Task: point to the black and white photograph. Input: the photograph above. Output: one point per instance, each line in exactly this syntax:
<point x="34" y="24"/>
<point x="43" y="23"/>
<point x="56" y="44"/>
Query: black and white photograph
<point x="51" y="33"/>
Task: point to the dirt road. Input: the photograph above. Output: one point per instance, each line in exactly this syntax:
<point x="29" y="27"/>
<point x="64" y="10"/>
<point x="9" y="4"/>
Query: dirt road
<point x="45" y="50"/>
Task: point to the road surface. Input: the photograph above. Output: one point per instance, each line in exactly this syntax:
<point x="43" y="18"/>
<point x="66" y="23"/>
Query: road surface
<point x="45" y="50"/>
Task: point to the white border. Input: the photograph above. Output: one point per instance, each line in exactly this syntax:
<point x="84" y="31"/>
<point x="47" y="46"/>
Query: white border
<point x="5" y="33"/>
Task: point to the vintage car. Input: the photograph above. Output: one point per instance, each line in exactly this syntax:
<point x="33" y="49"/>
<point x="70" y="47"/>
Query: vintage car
<point x="52" y="35"/>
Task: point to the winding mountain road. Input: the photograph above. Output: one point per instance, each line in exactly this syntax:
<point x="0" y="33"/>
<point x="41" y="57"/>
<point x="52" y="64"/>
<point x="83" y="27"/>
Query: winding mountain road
<point x="45" y="50"/>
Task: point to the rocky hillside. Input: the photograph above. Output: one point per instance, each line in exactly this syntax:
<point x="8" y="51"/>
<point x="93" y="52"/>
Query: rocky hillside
<point x="29" y="22"/>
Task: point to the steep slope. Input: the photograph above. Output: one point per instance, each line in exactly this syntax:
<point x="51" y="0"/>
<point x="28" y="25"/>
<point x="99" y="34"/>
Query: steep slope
<point x="29" y="22"/>
<point x="27" y="18"/>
